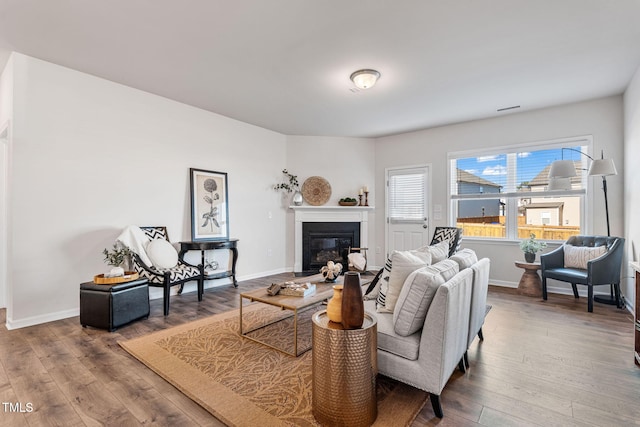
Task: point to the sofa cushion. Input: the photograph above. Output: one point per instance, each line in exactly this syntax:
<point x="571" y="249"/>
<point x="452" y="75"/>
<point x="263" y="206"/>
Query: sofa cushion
<point x="389" y="341"/>
<point x="579" y="256"/>
<point x="439" y="251"/>
<point x="402" y="264"/>
<point x="465" y="258"/>
<point x="417" y="294"/>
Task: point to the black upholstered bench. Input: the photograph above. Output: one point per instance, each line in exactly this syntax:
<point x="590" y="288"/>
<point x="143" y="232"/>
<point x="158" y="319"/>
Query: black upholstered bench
<point x="111" y="306"/>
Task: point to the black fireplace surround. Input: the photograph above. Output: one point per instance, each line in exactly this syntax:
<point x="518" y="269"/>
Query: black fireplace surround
<point x="327" y="241"/>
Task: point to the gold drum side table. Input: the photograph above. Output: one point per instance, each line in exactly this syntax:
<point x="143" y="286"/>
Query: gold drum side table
<point x="344" y="366"/>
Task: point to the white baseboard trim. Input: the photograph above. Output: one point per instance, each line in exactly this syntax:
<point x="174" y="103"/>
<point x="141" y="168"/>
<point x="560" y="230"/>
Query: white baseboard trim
<point x="582" y="291"/>
<point x="42" y="318"/>
<point x="503" y="283"/>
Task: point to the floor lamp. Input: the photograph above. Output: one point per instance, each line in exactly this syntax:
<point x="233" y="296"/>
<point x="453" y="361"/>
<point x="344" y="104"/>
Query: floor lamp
<point x="560" y="175"/>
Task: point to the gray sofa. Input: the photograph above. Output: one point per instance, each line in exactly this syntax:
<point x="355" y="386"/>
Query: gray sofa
<point x="440" y="310"/>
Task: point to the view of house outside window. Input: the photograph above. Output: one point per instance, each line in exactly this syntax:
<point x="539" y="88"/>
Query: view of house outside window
<point x="506" y="195"/>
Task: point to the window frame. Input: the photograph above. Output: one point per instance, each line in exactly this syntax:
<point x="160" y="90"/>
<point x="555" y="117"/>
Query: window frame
<point x="511" y="195"/>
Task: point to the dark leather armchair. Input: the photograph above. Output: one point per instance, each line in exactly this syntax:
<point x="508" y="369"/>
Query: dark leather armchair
<point x="452" y="234"/>
<point x="603" y="270"/>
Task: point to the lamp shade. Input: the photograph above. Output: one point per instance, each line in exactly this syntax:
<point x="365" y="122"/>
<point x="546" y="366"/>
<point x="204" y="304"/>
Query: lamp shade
<point x="602" y="167"/>
<point x="365" y="79"/>
<point x="562" y="169"/>
<point x="559" y="184"/>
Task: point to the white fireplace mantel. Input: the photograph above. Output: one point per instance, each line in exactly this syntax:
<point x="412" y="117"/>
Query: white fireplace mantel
<point x="328" y="214"/>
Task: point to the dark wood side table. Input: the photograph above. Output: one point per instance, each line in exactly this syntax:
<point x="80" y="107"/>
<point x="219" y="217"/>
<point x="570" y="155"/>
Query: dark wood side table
<point x="530" y="283"/>
<point x="209" y="245"/>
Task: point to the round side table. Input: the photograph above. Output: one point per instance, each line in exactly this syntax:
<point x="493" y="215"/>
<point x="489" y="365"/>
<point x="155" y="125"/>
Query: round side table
<point x="344" y="366"/>
<point x="530" y="283"/>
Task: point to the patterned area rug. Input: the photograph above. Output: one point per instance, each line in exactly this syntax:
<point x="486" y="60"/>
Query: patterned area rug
<point x="244" y="383"/>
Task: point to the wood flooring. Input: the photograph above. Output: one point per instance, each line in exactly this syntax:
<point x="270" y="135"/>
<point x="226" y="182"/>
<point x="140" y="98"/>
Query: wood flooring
<point x="546" y="363"/>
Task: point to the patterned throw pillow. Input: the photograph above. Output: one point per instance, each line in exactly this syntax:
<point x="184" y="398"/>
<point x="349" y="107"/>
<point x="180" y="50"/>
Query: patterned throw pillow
<point x="384" y="285"/>
<point x="579" y="256"/>
<point x="402" y="264"/>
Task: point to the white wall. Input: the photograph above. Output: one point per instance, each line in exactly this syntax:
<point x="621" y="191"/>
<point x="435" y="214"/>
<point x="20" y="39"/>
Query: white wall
<point x="6" y="116"/>
<point x="347" y="163"/>
<point x="91" y="157"/>
<point x="632" y="178"/>
<point x="600" y="118"/>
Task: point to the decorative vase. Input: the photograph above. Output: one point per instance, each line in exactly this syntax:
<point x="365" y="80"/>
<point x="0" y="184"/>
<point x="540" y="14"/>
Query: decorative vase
<point x="530" y="256"/>
<point x="334" y="307"/>
<point x="297" y="198"/>
<point x="352" y="303"/>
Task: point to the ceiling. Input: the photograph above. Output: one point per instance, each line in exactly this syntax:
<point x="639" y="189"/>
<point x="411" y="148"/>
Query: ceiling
<point x="284" y="65"/>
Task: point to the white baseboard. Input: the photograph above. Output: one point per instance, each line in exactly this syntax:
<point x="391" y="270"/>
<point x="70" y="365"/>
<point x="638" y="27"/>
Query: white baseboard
<point x="582" y="291"/>
<point x="42" y="318"/>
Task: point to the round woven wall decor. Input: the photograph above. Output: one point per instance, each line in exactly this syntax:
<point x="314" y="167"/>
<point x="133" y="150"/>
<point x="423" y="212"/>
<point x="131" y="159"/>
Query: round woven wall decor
<point x="316" y="190"/>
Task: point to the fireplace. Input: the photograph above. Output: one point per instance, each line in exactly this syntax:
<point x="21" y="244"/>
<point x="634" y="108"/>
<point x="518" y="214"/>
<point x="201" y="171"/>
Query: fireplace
<point x="305" y="215"/>
<point x="327" y="241"/>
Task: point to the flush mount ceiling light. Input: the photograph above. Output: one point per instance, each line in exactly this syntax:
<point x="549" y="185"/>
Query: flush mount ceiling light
<point x="365" y="79"/>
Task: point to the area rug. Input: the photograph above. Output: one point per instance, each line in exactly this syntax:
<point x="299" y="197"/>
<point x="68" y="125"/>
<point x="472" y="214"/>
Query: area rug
<point x="244" y="383"/>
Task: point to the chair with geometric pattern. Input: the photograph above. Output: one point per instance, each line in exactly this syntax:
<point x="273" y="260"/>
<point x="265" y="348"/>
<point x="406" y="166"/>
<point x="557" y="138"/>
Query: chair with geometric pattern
<point x="166" y="278"/>
<point x="452" y="234"/>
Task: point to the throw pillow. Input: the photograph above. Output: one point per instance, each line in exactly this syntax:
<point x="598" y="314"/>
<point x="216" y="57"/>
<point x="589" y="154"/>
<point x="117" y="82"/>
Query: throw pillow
<point x="417" y="295"/>
<point x="579" y="256"/>
<point x="403" y="263"/>
<point x="447" y="268"/>
<point x="162" y="253"/>
<point x="384" y="285"/>
<point x="465" y="258"/>
<point x="374" y="287"/>
<point x="439" y="251"/>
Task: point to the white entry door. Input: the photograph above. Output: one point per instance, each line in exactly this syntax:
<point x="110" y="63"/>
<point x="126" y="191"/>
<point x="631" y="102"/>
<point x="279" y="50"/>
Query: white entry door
<point x="407" y="208"/>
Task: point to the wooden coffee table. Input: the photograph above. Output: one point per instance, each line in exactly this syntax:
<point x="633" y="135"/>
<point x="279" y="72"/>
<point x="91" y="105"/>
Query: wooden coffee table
<point x="324" y="291"/>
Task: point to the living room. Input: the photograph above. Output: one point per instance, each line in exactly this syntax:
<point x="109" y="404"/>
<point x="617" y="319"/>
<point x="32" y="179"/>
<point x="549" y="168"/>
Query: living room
<point x="89" y="156"/>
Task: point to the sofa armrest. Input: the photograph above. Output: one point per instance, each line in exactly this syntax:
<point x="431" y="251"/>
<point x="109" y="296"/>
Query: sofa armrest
<point x="478" y="312"/>
<point x="444" y="336"/>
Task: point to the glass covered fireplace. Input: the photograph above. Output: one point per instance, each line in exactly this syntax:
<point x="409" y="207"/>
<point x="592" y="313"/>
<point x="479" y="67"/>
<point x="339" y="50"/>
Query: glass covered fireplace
<point x="327" y="241"/>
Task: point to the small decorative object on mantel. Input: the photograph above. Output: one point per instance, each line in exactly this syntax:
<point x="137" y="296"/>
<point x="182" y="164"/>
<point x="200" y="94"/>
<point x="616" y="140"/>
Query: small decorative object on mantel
<point x="352" y="304"/>
<point x="316" y="190"/>
<point x="364" y="190"/>
<point x="530" y="247"/>
<point x="347" y="201"/>
<point x="331" y="271"/>
<point x="290" y="185"/>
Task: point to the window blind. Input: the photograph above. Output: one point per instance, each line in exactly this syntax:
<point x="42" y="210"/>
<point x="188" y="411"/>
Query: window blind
<point x="407" y="196"/>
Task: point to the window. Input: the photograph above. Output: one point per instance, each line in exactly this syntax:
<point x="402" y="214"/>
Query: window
<point x="504" y="193"/>
<point x="407" y="195"/>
